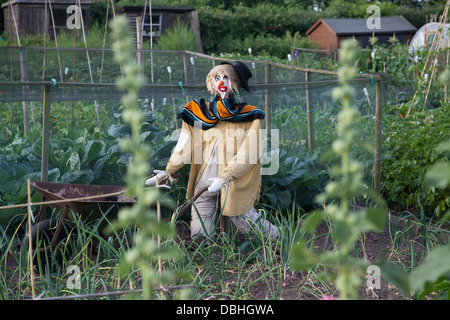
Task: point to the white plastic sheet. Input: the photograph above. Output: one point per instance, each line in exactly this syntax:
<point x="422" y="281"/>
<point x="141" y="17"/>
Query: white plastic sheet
<point x="418" y="42"/>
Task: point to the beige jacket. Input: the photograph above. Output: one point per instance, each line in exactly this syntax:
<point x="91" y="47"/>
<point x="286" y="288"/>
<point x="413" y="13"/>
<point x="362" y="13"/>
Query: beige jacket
<point x="239" y="146"/>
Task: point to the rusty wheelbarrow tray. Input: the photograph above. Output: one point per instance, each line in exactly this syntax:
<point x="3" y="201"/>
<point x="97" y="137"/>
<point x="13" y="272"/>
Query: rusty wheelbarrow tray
<point x="83" y="199"/>
<point x="89" y="201"/>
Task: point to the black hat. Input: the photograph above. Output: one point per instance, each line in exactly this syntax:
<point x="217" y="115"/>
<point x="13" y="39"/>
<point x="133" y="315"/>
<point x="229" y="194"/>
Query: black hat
<point x="244" y="73"/>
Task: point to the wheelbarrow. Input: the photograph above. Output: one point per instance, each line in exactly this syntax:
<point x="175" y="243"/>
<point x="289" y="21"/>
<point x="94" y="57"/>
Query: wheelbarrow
<point x="89" y="201"/>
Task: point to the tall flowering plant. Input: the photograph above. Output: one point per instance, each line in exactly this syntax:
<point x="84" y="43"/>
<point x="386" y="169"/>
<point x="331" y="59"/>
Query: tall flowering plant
<point x="347" y="183"/>
<point x="146" y="250"/>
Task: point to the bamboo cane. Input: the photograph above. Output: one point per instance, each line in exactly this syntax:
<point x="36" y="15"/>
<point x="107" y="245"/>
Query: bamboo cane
<point x="151" y="43"/>
<point x="45" y="40"/>
<point x="431" y="52"/>
<point x="435" y="56"/>
<point x="23" y="69"/>
<point x="158" y="219"/>
<point x="89" y="62"/>
<point x="73" y="61"/>
<point x="59" y="59"/>
<point x="30" y="242"/>
<point x="445" y="88"/>
<point x="114" y="16"/>
<point x="40" y="203"/>
<point x="104" y="42"/>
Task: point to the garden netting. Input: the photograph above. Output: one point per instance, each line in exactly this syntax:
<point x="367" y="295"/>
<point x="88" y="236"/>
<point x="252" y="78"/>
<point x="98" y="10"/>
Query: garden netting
<point x="84" y="150"/>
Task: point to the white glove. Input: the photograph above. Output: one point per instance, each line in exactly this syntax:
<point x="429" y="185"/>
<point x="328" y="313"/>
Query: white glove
<point x="159" y="174"/>
<point x="216" y="185"/>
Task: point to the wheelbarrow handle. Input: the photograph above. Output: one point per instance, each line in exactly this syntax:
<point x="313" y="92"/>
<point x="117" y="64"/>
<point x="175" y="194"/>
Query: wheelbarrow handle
<point x="189" y="203"/>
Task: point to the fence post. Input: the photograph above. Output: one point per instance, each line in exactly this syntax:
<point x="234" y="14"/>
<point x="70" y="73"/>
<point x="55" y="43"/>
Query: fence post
<point x="309" y="113"/>
<point x="185" y="67"/>
<point x="267" y="98"/>
<point x="45" y="133"/>
<point x="378" y="137"/>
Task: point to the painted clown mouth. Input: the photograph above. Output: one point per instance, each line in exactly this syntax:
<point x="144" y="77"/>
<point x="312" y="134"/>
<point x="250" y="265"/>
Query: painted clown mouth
<point x="223" y="88"/>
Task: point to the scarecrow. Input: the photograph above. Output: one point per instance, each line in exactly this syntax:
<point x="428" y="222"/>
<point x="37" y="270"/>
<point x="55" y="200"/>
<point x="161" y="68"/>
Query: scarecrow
<point x="222" y="142"/>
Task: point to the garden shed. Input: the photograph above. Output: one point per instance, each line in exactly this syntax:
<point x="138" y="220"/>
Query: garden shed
<point x="37" y="16"/>
<point x="329" y="33"/>
<point x="163" y="19"/>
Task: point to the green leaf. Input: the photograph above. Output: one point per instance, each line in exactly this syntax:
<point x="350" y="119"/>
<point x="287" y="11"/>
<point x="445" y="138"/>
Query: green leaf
<point x="376" y="218"/>
<point x="395" y="275"/>
<point x="78" y="177"/>
<point x="291" y="170"/>
<point x="313" y="220"/>
<point x="435" y="265"/>
<point x="119" y="131"/>
<point x="283" y="199"/>
<point x="438" y="175"/>
<point x="302" y="257"/>
<point x="4" y="176"/>
<point x="37" y="148"/>
<point x="53" y="175"/>
<point x="443" y="146"/>
<point x="73" y="162"/>
<point x="19" y="171"/>
<point x="162" y="154"/>
<point x="345" y="233"/>
<point x="438" y="286"/>
<point x="91" y="150"/>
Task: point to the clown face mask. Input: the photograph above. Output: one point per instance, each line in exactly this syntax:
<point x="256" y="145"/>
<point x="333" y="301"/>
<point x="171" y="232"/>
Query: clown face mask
<point x="222" y="84"/>
<point x="223" y="80"/>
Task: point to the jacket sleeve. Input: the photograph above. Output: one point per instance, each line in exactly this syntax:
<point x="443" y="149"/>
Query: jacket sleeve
<point x="181" y="154"/>
<point x="248" y="154"/>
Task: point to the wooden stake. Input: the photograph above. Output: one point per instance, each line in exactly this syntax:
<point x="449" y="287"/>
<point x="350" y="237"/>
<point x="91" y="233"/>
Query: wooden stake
<point x="378" y="137"/>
